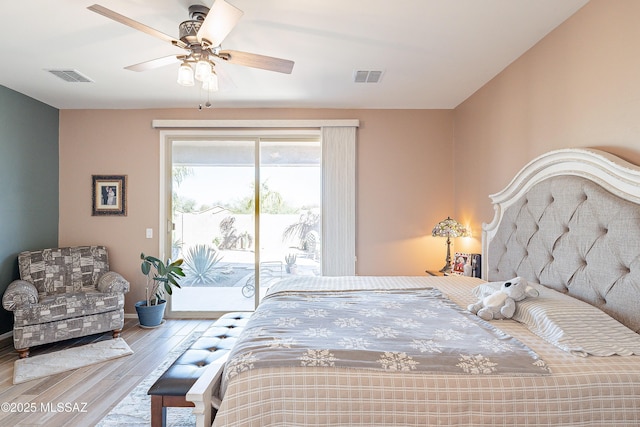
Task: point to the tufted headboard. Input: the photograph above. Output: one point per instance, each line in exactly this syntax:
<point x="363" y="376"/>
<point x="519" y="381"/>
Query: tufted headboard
<point x="570" y="220"/>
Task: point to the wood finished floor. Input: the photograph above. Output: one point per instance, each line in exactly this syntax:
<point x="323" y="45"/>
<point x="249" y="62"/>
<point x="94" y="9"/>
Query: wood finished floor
<point x="99" y="386"/>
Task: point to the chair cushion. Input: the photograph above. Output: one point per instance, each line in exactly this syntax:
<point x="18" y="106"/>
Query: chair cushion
<point x="60" y="307"/>
<point x="63" y="270"/>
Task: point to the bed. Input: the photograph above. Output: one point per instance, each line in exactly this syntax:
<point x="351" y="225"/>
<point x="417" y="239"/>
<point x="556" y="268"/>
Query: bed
<point x="568" y="222"/>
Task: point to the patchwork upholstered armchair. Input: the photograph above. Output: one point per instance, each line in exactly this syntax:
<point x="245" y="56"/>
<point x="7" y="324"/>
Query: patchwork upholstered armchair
<point x="64" y="293"/>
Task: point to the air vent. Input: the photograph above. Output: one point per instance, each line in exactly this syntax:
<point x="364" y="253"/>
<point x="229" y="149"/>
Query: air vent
<point x="71" y="76"/>
<point x="367" y="76"/>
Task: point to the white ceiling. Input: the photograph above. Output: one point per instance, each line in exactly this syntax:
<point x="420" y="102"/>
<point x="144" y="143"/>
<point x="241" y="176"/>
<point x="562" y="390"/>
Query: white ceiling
<point x="435" y="53"/>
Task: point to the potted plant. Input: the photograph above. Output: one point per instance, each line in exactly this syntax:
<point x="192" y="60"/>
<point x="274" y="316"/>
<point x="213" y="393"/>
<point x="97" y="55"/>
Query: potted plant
<point x="161" y="277"/>
<point x="290" y="259"/>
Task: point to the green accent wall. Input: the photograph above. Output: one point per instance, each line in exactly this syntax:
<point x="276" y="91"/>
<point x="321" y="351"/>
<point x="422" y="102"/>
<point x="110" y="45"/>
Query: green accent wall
<point x="29" y="165"/>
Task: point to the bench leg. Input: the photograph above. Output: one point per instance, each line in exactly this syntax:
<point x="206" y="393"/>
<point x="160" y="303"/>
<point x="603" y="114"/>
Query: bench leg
<point x="159" y="405"/>
<point x="158" y="412"/>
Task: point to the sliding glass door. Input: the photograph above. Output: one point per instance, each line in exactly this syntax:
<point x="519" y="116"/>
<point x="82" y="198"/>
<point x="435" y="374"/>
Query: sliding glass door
<point x="245" y="214"/>
<point x="290" y="182"/>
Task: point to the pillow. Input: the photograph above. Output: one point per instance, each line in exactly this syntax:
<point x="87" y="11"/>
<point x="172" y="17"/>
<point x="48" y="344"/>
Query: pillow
<point x="570" y="324"/>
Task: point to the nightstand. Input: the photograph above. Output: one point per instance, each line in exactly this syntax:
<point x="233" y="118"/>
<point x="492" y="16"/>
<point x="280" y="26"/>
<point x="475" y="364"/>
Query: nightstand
<point x="436" y="273"/>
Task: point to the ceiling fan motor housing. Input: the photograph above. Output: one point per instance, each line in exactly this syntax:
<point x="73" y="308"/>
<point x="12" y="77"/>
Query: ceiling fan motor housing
<point x="189" y="29"/>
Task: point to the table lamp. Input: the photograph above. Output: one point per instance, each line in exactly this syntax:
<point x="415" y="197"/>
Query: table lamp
<point x="449" y="228"/>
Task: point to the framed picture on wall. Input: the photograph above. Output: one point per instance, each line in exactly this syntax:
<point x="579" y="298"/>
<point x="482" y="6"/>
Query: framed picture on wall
<point x="109" y="195"/>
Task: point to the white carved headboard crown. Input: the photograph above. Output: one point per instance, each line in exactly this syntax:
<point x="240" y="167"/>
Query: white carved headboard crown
<point x="570" y="220"/>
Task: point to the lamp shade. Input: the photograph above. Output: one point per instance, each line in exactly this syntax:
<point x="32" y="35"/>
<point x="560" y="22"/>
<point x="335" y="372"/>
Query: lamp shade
<point x="449" y="228"/>
<point x="203" y="70"/>
<point x="211" y="83"/>
<point x="185" y="75"/>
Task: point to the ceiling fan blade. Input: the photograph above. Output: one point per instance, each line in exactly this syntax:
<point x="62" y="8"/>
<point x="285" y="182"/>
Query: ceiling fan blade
<point x="257" y="61"/>
<point x="225" y="81"/>
<point x="220" y="20"/>
<point x="134" y="24"/>
<point x="154" y="63"/>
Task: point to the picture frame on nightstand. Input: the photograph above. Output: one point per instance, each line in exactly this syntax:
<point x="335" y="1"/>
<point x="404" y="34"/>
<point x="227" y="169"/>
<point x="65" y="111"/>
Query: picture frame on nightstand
<point x="460" y="259"/>
<point x="476" y="265"/>
<point x="472" y="261"/>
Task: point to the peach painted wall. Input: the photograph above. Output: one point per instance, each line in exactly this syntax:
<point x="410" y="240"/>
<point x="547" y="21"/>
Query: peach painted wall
<point x="578" y="87"/>
<point x="404" y="184"/>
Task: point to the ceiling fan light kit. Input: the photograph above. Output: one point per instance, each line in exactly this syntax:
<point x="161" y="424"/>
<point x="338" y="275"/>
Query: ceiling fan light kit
<point x="185" y="75"/>
<point x="204" y="72"/>
<point x="203" y="69"/>
<point x="211" y="83"/>
<point x="201" y="37"/>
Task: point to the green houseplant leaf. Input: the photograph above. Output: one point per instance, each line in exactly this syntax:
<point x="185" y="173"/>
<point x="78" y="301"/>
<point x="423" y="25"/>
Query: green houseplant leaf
<point x="161" y="277"/>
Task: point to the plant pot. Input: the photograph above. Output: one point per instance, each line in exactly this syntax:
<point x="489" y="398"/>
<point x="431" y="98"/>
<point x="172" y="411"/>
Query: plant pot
<point x="150" y="316"/>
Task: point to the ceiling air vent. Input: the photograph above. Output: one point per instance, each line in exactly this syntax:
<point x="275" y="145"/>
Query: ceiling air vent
<point x="367" y="76"/>
<point x="71" y="76"/>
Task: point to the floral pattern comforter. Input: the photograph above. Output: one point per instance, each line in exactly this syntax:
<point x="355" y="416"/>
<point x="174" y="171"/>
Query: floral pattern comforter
<point x="391" y="330"/>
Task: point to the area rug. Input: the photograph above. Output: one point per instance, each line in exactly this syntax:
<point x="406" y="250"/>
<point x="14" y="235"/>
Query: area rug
<point x="44" y="365"/>
<point x="135" y="409"/>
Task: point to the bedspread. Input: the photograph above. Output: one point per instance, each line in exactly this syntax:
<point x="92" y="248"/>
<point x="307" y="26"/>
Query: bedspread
<point x="389" y="330"/>
<point x="591" y="391"/>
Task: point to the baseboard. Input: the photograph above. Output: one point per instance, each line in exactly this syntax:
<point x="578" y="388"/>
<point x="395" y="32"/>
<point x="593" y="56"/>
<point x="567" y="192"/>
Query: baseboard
<point x="130" y="316"/>
<point x="6" y="335"/>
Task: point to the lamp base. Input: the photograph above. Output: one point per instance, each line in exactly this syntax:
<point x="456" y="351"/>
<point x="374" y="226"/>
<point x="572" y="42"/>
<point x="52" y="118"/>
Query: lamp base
<point x="446" y="269"/>
<point x="447" y="266"/>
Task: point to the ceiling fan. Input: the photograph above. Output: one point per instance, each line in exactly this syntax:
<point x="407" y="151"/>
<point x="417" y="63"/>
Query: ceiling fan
<point x="200" y="37"/>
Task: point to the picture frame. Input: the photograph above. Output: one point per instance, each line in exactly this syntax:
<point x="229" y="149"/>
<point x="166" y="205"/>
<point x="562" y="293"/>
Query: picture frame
<point x="476" y="265"/>
<point x="109" y="195"/>
<point x="460" y="259"/>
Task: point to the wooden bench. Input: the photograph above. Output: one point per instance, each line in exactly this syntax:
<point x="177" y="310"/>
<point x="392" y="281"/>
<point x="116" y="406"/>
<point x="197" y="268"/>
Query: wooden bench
<point x="206" y="356"/>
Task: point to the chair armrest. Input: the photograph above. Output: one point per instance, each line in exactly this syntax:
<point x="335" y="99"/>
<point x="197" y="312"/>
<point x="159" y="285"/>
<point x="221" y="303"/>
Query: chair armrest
<point x="112" y="282"/>
<point x="19" y="294"/>
<point x="202" y="392"/>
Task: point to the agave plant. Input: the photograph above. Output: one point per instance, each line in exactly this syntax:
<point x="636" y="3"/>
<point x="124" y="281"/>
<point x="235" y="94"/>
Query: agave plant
<point x="200" y="262"/>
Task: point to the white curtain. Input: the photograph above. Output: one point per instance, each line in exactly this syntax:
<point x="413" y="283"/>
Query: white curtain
<point x="338" y="201"/>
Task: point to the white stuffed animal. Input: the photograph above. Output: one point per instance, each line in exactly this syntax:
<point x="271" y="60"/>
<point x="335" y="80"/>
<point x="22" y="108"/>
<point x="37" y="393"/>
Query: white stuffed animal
<point x="502" y="303"/>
